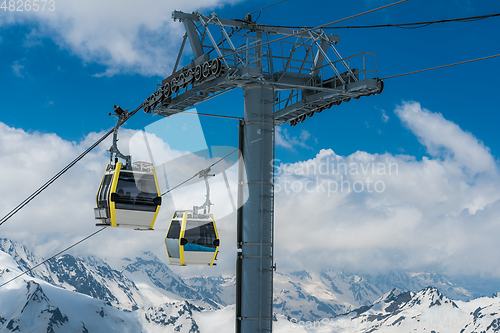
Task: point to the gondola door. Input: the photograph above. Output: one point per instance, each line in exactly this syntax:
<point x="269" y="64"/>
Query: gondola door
<point x="192" y="240"/>
<point x="172" y="241"/>
<point x="199" y="241"/>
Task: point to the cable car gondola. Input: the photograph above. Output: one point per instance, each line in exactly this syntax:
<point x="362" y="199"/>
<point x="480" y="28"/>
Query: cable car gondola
<point x="129" y="195"/>
<point x="192" y="237"/>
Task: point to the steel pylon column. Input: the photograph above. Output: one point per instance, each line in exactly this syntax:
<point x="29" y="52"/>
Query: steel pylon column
<point x="255" y="262"/>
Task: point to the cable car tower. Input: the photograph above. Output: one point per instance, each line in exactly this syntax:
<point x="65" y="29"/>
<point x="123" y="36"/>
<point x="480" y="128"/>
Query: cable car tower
<point x="284" y="80"/>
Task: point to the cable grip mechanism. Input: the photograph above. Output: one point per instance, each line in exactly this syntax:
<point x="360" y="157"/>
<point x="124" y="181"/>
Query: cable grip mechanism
<point x="122" y="115"/>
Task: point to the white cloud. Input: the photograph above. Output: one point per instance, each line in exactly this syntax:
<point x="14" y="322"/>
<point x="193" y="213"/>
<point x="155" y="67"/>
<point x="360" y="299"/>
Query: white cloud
<point x="385" y="117"/>
<point x="33" y="38"/>
<point x="444" y="138"/>
<point x="283" y="139"/>
<point x="18" y="69"/>
<point x="438" y="213"/>
<point x="125" y="36"/>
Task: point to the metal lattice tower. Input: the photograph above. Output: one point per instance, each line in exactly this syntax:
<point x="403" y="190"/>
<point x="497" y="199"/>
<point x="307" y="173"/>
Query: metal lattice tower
<point x="284" y="80"/>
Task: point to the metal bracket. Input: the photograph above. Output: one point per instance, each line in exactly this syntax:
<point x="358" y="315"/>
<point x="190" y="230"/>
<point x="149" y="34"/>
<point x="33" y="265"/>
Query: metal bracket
<point x="206" y="205"/>
<point x="122" y="117"/>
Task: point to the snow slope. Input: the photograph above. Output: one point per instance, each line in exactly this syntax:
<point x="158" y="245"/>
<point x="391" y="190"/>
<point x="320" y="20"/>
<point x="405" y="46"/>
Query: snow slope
<point x="70" y="294"/>
<point x="401" y="312"/>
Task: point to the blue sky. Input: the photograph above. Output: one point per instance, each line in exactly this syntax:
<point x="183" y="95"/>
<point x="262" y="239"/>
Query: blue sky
<point x="62" y="72"/>
<point x="48" y="87"/>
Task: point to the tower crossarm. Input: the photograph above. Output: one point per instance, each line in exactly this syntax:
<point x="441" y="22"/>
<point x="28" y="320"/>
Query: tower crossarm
<point x="245" y="25"/>
<point x="306" y="70"/>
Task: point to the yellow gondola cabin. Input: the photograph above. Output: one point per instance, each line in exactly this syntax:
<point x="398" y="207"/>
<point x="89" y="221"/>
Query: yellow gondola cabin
<point x="128" y="197"/>
<point x="192" y="239"/>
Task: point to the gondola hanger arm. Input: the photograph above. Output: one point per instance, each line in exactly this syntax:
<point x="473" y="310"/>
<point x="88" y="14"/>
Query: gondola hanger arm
<point x="206" y="205"/>
<point x="122" y="115"/>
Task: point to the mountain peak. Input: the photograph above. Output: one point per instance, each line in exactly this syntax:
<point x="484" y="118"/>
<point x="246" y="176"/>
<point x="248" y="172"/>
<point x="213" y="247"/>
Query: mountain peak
<point x="392" y="295"/>
<point x="430" y="297"/>
<point x="303" y="274"/>
<point x="431" y="292"/>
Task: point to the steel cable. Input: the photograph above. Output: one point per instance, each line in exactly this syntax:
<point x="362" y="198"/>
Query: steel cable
<point x="60" y="173"/>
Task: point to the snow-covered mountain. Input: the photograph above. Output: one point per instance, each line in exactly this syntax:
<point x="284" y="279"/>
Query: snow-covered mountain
<point x="144" y="282"/>
<point x="312" y="296"/>
<point x="91" y="277"/>
<point x="158" y="284"/>
<point x="29" y="304"/>
<point x="146" y="293"/>
<point x="404" y="311"/>
<point x="32" y="305"/>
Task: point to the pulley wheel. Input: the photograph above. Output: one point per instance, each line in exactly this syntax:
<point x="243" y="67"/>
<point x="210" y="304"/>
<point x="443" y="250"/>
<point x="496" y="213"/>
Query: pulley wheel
<point x="206" y="70"/>
<point x="216" y="66"/>
<point x="174" y="87"/>
<point x="197" y="73"/>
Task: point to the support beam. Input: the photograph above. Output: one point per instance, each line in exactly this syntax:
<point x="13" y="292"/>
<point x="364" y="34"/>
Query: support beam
<point x="318" y="59"/>
<point x="194" y="40"/>
<point x="239" y="238"/>
<point x="195" y="17"/>
<point x="256" y="257"/>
